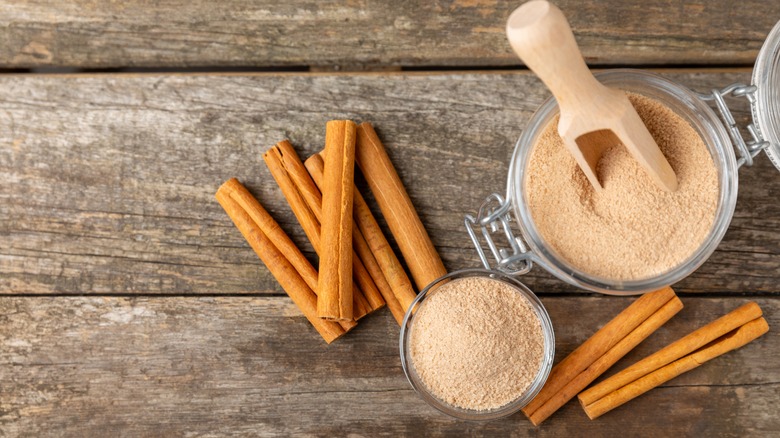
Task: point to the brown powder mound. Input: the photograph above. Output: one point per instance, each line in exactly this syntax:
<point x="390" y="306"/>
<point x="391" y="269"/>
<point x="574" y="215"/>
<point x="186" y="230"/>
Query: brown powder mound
<point x="476" y="343"/>
<point x="632" y="229"/>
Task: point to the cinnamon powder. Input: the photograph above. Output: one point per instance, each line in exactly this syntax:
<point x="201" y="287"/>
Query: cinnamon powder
<point x="632" y="229"/>
<point x="476" y="343"/>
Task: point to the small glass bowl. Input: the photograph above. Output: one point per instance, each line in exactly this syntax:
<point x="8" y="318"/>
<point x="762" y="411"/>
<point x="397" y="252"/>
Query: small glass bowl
<point x="471" y="414"/>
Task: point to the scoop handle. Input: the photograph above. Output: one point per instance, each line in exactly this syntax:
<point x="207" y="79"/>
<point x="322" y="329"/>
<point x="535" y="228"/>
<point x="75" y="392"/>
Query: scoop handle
<point x="541" y="36"/>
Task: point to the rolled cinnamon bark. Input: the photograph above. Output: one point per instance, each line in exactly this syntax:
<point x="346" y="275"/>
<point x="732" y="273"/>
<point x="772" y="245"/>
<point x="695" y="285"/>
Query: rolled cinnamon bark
<point x="674" y="351"/>
<point x="391" y="267"/>
<point x="598" y="344"/>
<point x="296" y="186"/>
<point x="310" y="225"/>
<point x="268" y="249"/>
<point x="388" y="270"/>
<point x="730" y="341"/>
<point x="405" y="225"/>
<point x="372" y="266"/>
<point x="602" y="364"/>
<point x="270" y="228"/>
<point x="335" y="285"/>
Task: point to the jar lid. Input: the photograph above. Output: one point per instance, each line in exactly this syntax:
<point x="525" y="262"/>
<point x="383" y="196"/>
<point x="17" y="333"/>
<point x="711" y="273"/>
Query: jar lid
<point x="766" y="107"/>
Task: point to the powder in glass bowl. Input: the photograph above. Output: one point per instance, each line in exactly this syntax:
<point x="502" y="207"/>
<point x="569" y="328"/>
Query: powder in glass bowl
<point x="476" y="343"/>
<point x="632" y="229"/>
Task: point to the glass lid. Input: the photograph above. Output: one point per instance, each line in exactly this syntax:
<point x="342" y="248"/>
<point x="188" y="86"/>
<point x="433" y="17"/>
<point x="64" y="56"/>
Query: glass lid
<point x="766" y="108"/>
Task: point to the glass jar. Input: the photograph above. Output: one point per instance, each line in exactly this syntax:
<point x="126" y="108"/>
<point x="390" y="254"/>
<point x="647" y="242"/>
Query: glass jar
<point x="720" y="133"/>
<point x="469" y="414"/>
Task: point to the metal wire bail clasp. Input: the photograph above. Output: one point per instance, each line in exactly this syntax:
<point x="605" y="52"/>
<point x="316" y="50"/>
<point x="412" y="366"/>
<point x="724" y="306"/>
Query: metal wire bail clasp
<point x="494" y="216"/>
<point x="746" y="150"/>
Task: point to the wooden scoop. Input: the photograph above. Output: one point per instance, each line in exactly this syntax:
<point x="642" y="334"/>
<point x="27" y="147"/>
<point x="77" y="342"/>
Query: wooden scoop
<point x="593" y="116"/>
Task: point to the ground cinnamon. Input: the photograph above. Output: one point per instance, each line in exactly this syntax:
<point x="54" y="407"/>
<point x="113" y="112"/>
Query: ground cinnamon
<point x="476" y="343"/>
<point x="631" y="229"/>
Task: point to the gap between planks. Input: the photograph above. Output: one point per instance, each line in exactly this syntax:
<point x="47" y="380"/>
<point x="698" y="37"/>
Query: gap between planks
<point x="410" y="72"/>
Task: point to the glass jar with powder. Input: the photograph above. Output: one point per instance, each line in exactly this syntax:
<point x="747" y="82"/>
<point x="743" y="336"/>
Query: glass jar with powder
<point x="631" y="237"/>
<point x="477" y="344"/>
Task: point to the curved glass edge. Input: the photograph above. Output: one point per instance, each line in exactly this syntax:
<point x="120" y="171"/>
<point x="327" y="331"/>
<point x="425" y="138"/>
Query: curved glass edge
<point x="766" y="108"/>
<point x="686" y="104"/>
<point x="470" y="414"/>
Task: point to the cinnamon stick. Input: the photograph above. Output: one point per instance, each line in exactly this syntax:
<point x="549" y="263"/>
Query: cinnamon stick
<point x="297" y="188"/>
<point x="674" y="351"/>
<point x="335" y="285"/>
<point x="313" y="199"/>
<point x="274" y="232"/>
<point x="732" y="340"/>
<point x="274" y="251"/>
<point x="270" y="228"/>
<point x="598" y="344"/>
<point x="602" y="364"/>
<point x="405" y="225"/>
<point x="391" y="267"/>
<point x="372" y="266"/>
<point x="387" y="272"/>
<point x="310" y="225"/>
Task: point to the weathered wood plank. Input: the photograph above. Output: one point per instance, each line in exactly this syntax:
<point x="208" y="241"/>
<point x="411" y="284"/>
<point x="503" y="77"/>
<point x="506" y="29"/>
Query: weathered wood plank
<point x="137" y="33"/>
<point x="108" y="180"/>
<point x="175" y="366"/>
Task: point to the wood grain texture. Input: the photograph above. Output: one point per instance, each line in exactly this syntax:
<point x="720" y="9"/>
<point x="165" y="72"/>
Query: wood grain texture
<point x="108" y="180"/>
<point x="366" y="33"/>
<point x="181" y="366"/>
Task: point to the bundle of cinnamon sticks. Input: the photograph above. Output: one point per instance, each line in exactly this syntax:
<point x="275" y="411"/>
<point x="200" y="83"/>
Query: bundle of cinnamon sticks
<point x="359" y="272"/>
<point x="732" y="331"/>
<point x="624" y="332"/>
<point x="608" y="345"/>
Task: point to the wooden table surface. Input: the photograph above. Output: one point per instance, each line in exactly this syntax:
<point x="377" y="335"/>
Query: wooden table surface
<point x="131" y="306"/>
